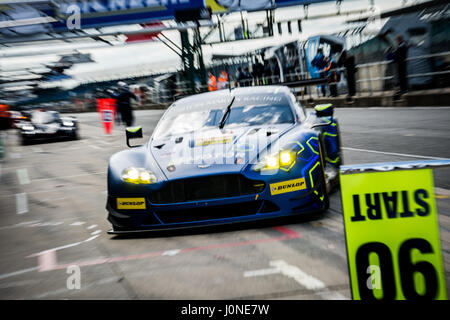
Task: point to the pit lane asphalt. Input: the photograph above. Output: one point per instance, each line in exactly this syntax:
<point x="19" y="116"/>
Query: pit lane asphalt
<point x="52" y="215"/>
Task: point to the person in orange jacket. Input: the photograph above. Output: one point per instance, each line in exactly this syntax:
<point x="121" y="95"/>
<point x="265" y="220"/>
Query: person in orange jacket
<point x="212" y="82"/>
<point x="223" y="80"/>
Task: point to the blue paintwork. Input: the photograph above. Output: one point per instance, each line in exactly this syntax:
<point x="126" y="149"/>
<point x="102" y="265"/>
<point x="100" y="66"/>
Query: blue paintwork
<point x="154" y="158"/>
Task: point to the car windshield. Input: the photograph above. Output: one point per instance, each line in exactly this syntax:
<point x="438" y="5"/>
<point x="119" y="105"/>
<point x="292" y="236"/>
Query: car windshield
<point x="259" y="115"/>
<point x="184" y="119"/>
<point x="176" y="122"/>
<point x="40" y="117"/>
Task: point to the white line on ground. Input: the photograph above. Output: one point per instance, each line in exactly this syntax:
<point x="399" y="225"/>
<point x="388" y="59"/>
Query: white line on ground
<point x="21" y="203"/>
<point x="55" y="249"/>
<point x="22" y="175"/>
<point x="91" y="238"/>
<point x="91" y="227"/>
<point x="15" y="273"/>
<point x="96" y="232"/>
<point x="37" y="149"/>
<point x="94" y="146"/>
<point x="19" y="224"/>
<point x="171" y="252"/>
<point x="20" y="283"/>
<point x="46" y="224"/>
<point x="78" y="223"/>
<point x="304" y="279"/>
<point x="62" y="247"/>
<point x="14" y="155"/>
<point x="261" y="272"/>
<point x="394" y="153"/>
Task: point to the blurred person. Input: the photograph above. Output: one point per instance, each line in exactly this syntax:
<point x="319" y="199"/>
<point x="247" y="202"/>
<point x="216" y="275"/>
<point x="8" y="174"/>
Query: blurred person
<point x="247" y="77"/>
<point x="212" y="82"/>
<point x="223" y="80"/>
<point x="258" y="72"/>
<point x="240" y="77"/>
<point x="320" y="63"/>
<point x="123" y="102"/>
<point x="399" y="55"/>
<point x="348" y="62"/>
<point x="332" y="75"/>
<point x="267" y="74"/>
<point x="276" y="73"/>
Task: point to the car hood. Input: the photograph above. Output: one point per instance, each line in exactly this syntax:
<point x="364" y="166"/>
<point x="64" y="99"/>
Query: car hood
<point x="212" y="151"/>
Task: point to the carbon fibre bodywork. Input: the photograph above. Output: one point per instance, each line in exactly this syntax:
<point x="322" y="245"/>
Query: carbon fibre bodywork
<point x="190" y="194"/>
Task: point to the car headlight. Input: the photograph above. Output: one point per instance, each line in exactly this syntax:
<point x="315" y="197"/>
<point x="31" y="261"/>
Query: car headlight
<point x="138" y="176"/>
<point x="68" y="123"/>
<point x="284" y="160"/>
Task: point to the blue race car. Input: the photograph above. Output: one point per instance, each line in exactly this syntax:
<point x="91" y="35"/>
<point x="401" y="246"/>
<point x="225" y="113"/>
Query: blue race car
<point x="224" y="157"/>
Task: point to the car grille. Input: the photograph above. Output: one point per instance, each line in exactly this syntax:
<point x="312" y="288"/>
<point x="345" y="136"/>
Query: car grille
<point x="204" y="188"/>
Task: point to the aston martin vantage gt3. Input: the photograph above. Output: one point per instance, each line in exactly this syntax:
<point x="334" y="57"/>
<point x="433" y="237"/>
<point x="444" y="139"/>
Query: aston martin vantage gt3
<point x="224" y="157"/>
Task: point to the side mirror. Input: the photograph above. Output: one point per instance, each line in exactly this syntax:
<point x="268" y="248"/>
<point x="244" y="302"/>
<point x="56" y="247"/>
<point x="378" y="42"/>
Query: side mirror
<point x="324" y="110"/>
<point x="133" y="133"/>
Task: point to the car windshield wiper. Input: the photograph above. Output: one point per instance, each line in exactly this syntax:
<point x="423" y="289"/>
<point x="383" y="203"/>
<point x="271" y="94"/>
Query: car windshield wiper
<point x="225" y="116"/>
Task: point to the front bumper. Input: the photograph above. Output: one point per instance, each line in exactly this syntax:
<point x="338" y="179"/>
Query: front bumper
<point x="212" y="212"/>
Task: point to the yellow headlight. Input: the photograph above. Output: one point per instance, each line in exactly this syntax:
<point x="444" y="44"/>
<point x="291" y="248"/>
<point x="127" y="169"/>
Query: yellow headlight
<point x="138" y="176"/>
<point x="285" y="158"/>
<point x="145" y="176"/>
<point x="132" y="174"/>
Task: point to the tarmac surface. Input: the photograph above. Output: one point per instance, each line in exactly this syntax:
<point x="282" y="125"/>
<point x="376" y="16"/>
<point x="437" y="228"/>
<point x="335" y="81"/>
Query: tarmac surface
<point x="52" y="217"/>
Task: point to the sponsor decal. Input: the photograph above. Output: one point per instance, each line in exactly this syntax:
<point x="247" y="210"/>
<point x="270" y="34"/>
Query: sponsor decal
<point x="131" y="203"/>
<point x="213" y="140"/>
<point x="287" y="186"/>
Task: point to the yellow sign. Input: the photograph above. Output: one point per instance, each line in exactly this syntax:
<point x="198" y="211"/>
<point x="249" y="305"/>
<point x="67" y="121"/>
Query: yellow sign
<point x="131" y="203"/>
<point x="287" y="186"/>
<point x="392" y="235"/>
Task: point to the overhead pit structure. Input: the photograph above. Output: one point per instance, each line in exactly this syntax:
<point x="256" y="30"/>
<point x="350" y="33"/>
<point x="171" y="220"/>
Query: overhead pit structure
<point x="29" y="21"/>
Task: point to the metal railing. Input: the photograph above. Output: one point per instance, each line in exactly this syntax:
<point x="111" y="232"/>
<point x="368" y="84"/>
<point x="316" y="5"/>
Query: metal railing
<point x="369" y="78"/>
<point x="382" y="75"/>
